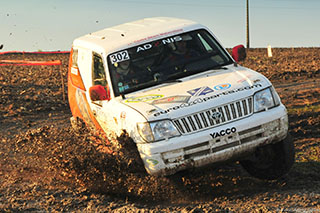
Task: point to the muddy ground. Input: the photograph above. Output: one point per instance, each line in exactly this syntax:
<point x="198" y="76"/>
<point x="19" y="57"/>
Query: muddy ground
<point x="47" y="166"/>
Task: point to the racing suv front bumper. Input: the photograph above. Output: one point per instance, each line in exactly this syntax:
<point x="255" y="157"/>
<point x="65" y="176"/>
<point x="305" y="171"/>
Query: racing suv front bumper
<point x="215" y="145"/>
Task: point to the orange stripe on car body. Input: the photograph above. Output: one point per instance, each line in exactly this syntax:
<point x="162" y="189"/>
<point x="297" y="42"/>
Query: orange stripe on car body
<point x="78" y="102"/>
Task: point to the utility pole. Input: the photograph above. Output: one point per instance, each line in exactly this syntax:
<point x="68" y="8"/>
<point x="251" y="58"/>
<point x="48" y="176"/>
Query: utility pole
<point x="248" y="43"/>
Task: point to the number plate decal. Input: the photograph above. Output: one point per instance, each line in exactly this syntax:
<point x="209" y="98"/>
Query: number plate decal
<point x="120" y="56"/>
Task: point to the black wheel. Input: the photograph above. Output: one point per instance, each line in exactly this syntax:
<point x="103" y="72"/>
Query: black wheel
<point x="272" y="161"/>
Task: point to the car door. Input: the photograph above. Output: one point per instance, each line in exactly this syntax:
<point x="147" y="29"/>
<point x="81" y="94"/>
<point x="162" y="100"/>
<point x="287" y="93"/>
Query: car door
<point x="100" y="104"/>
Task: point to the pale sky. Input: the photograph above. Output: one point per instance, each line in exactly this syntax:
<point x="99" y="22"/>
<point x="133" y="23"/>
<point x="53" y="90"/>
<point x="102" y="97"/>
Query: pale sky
<point x="49" y="25"/>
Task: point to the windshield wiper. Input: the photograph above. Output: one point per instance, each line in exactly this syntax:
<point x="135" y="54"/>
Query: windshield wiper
<point x="218" y="68"/>
<point x="170" y="81"/>
<point x="208" y="69"/>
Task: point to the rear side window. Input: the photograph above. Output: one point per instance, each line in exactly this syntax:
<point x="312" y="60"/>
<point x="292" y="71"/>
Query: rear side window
<point x="98" y="72"/>
<point x="75" y="58"/>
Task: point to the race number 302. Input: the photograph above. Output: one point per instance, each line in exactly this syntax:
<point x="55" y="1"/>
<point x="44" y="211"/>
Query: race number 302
<point x="120" y="56"/>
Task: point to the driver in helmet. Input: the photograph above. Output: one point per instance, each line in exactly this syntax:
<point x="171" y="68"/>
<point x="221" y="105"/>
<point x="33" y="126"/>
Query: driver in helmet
<point x="125" y="74"/>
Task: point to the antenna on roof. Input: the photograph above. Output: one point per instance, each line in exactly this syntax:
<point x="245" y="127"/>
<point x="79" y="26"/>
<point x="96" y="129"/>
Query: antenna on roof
<point x="248" y="43"/>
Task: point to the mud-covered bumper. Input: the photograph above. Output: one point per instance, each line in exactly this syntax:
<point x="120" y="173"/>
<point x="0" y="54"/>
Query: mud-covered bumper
<point x="210" y="146"/>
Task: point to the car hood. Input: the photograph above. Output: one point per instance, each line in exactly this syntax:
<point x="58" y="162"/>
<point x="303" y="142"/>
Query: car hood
<point x="196" y="93"/>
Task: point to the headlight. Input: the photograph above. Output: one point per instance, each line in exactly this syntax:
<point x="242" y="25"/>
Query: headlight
<point x="145" y="131"/>
<point x="156" y="131"/>
<point x="263" y="100"/>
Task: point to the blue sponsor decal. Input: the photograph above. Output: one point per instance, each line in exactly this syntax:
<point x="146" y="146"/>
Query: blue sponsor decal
<point x="222" y="86"/>
<point x="206" y="90"/>
<point x="194" y="91"/>
<point x="200" y="91"/>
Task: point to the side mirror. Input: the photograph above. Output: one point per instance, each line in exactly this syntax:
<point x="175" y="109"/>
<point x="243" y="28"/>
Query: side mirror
<point x="239" y="53"/>
<point x="99" y="93"/>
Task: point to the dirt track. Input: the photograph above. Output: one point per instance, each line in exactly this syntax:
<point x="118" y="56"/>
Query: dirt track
<point x="46" y="166"/>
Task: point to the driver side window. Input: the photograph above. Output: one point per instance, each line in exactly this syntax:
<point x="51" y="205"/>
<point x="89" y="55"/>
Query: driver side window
<point x="98" y="72"/>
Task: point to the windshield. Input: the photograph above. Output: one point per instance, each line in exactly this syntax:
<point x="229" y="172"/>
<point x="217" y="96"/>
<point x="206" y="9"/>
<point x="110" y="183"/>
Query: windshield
<point x="165" y="60"/>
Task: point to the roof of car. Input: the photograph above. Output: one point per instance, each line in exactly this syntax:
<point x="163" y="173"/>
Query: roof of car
<point x="134" y="33"/>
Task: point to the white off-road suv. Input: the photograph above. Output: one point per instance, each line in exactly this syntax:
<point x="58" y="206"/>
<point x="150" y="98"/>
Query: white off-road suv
<point x="170" y="86"/>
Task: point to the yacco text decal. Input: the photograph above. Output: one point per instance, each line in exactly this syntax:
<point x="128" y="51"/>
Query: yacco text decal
<point x="201" y="100"/>
<point x="206" y="90"/>
<point x="145" y="98"/>
<point x="223" y="132"/>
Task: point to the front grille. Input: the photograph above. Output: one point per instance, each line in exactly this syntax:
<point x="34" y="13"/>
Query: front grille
<point x="202" y="120"/>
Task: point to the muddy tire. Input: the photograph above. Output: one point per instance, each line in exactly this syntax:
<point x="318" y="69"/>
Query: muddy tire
<point x="272" y="161"/>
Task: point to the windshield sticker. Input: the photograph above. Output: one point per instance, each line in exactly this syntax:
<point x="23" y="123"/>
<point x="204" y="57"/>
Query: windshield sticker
<point x="120" y="56"/>
<point x="156" y="36"/>
<point x="202" y="100"/>
<point x="157" y="43"/>
<point x="171" y="40"/>
<point x="123" y="88"/>
<point x="145" y="98"/>
<point x="172" y="99"/>
<point x="144" y="47"/>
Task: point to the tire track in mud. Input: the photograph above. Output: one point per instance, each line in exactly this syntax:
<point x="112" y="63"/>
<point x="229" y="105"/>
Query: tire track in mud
<point x="307" y="84"/>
